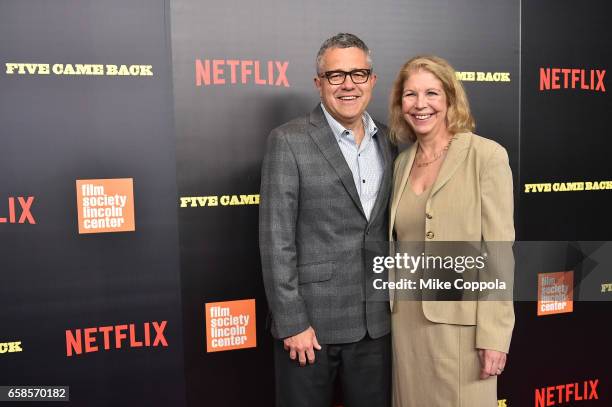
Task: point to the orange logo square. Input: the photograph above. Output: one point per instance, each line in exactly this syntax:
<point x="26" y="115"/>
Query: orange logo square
<point x="230" y="325"/>
<point x="555" y="293"/>
<point x="105" y="205"/>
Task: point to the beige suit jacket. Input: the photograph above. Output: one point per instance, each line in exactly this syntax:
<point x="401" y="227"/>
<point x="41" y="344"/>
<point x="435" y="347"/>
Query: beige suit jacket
<point x="472" y="201"/>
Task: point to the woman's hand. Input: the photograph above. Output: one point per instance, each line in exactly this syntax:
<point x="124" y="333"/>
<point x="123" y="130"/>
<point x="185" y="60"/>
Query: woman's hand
<point x="492" y="362"/>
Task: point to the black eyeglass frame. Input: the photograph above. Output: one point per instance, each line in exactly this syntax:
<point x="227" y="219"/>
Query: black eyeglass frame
<point x="345" y="73"/>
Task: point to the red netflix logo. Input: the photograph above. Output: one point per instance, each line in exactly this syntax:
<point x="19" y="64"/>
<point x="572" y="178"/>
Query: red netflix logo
<point x="572" y="78"/>
<point x="25" y="214"/>
<point x="566" y="393"/>
<point x="234" y="71"/>
<point x="115" y="337"/>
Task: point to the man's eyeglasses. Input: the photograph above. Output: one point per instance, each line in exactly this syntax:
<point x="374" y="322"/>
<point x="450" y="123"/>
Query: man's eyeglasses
<point x="338" y="77"/>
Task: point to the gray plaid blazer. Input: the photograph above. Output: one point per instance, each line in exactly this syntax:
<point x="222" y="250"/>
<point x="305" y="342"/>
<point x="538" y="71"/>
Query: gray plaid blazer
<point x="312" y="229"/>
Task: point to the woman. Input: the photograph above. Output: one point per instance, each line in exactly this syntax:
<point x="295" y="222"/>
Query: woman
<point x="450" y="185"/>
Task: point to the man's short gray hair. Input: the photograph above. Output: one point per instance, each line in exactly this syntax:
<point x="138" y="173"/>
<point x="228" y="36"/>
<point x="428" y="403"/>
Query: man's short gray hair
<point x="342" y="40"/>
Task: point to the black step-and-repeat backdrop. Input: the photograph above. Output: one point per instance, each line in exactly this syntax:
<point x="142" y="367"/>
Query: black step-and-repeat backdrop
<point x="564" y="194"/>
<point x="90" y="282"/>
<point x="132" y="135"/>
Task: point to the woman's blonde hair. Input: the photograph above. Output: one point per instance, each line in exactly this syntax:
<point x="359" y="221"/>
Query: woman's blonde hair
<point x="458" y="116"/>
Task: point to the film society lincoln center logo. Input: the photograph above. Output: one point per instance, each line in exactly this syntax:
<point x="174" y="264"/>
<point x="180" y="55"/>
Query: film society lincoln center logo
<point x="555" y="293"/>
<point x="105" y="205"/>
<point x="230" y="325"/>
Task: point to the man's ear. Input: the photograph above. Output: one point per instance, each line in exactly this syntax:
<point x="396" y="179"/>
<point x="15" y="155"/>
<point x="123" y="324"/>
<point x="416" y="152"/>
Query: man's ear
<point x="317" y="83"/>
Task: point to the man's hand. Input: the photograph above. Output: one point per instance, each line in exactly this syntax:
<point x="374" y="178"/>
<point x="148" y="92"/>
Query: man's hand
<point x="492" y="362"/>
<point x="301" y="346"/>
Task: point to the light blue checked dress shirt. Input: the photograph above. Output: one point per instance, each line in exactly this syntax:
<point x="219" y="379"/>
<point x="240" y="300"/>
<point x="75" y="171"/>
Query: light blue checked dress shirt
<point x="364" y="160"/>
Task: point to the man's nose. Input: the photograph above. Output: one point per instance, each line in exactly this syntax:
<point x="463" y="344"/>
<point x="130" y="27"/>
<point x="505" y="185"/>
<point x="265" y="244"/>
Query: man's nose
<point x="348" y="82"/>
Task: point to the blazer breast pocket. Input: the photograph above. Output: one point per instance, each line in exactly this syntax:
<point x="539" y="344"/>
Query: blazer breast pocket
<point x="315" y="272"/>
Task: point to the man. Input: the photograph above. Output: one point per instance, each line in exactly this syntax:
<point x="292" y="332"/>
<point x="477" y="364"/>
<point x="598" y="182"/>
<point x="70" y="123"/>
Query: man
<point x="326" y="180"/>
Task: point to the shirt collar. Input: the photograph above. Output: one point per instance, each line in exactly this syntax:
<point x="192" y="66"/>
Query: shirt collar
<point x="339" y="130"/>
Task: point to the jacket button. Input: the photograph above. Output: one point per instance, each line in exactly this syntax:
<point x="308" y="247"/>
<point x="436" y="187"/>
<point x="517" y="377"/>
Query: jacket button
<point x="430" y="235"/>
<point x="428" y="216"/>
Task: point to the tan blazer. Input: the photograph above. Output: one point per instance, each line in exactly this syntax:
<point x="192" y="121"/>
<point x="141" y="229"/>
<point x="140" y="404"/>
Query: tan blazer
<point x="471" y="200"/>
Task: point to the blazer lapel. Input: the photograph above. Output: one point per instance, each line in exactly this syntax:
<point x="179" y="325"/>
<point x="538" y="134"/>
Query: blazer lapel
<point x="385" y="185"/>
<point x="321" y="134"/>
<point x="400" y="181"/>
<point x="456" y="154"/>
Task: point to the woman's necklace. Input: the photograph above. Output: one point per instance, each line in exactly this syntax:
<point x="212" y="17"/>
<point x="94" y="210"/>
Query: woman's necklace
<point x="436" y="156"/>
